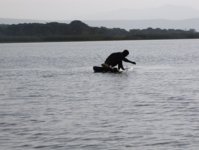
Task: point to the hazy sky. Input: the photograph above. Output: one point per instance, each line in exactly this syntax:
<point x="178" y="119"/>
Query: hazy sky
<point x="77" y="9"/>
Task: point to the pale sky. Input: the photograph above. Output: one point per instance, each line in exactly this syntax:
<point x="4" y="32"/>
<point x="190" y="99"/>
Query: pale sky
<point x="78" y="9"/>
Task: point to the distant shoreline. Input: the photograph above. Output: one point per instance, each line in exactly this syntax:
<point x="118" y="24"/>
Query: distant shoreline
<point x="78" y="31"/>
<point x="93" y="41"/>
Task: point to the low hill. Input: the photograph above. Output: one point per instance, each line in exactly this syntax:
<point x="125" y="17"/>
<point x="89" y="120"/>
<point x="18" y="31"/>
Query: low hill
<point x="184" y="24"/>
<point x="79" y="31"/>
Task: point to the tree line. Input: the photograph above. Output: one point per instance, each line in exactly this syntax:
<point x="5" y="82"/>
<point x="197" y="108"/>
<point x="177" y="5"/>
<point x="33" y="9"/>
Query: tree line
<point x="79" y="31"/>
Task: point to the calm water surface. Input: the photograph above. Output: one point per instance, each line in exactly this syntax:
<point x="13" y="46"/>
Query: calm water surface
<point x="50" y="98"/>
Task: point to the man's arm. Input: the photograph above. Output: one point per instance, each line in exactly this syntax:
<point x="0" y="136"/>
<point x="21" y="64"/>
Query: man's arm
<point x="120" y="65"/>
<point x="126" y="60"/>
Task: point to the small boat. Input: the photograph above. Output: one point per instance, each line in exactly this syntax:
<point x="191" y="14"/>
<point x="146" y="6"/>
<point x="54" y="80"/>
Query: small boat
<point x="98" y="69"/>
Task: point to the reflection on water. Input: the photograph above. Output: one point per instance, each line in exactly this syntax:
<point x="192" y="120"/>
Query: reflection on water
<point x="51" y="99"/>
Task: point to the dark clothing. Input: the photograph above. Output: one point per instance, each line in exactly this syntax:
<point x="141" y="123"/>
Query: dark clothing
<point x="116" y="59"/>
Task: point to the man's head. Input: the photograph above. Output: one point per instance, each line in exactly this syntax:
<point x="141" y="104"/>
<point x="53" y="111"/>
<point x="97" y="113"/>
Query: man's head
<point x="125" y="53"/>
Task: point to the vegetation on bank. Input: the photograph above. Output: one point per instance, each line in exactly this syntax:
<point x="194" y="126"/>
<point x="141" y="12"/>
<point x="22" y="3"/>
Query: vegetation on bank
<point x="79" y="31"/>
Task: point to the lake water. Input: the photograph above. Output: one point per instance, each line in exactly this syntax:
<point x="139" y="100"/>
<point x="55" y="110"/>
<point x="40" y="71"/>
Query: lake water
<point x="50" y="99"/>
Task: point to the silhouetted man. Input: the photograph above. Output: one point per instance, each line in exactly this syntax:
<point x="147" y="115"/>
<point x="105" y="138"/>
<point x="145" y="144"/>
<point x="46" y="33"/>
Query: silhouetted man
<point x="116" y="59"/>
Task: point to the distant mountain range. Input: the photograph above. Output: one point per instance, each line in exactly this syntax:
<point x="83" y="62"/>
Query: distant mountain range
<point x="185" y="24"/>
<point x="143" y="24"/>
<point x="17" y="21"/>
<point x="168" y="12"/>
